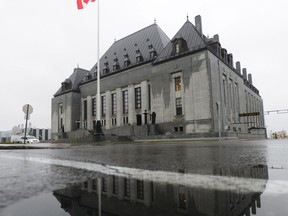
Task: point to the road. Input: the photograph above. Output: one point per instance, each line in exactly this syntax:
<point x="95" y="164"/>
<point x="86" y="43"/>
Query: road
<point x="32" y="174"/>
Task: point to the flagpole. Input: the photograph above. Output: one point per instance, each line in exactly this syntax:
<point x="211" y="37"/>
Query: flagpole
<point x="98" y="61"/>
<point x="98" y="123"/>
<point x="98" y="131"/>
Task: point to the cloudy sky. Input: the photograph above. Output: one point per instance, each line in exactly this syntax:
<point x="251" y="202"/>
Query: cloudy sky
<point x="41" y="42"/>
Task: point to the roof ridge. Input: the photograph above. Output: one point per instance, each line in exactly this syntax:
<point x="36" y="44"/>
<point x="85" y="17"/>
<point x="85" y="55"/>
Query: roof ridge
<point x="135" y="33"/>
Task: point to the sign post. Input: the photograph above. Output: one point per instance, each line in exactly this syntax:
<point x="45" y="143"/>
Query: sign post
<point x="27" y="109"/>
<point x="249" y="114"/>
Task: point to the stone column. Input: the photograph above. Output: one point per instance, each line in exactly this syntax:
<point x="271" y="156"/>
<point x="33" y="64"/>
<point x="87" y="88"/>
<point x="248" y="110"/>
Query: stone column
<point x="120" y="188"/>
<point x="82" y="114"/>
<point x="133" y="190"/>
<point x="108" y="109"/>
<point x="144" y="99"/>
<point x="89" y="113"/>
<point x="119" y="107"/>
<point x="131" y="104"/>
<point x="109" y="186"/>
<point x="147" y="193"/>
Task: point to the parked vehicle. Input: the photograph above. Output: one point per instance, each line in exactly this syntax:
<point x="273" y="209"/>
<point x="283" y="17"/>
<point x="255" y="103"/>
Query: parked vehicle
<point x="29" y="139"/>
<point x="15" y="138"/>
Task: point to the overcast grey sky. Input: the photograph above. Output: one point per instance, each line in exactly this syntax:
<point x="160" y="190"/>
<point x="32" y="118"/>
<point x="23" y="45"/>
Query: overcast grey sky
<point x="41" y="42"/>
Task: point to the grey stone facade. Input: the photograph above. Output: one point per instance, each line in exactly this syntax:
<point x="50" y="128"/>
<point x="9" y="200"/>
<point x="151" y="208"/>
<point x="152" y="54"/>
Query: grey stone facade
<point x="189" y="82"/>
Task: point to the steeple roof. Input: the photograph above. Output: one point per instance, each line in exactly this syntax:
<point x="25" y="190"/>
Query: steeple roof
<point x="194" y="40"/>
<point x="72" y="83"/>
<point x="140" y="43"/>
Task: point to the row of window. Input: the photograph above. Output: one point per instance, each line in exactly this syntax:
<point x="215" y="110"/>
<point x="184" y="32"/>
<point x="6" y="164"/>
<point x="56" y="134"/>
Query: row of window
<point x="127" y="62"/>
<point x="115" y="186"/>
<point x="140" y="192"/>
<point x="138" y="102"/>
<point x="231" y="97"/>
<point x="253" y="105"/>
<point x="125" y="108"/>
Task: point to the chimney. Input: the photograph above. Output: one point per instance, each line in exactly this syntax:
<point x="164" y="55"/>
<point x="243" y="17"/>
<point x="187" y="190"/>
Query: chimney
<point x="224" y="55"/>
<point x="198" y="24"/>
<point x="250" y="78"/>
<point x="216" y="38"/>
<point x="238" y="67"/>
<point x="230" y="59"/>
<point x="244" y="73"/>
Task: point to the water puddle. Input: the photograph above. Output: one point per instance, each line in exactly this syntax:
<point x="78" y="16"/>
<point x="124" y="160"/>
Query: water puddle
<point x="128" y="191"/>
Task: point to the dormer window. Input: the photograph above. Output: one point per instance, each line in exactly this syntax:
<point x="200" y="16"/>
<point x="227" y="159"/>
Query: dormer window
<point x="139" y="57"/>
<point x="177" y="48"/>
<point x="88" y="76"/>
<point x="127" y="61"/>
<point x="179" y="45"/>
<point x="153" y="54"/>
<point x="66" y="85"/>
<point x="152" y="51"/>
<point x="106" y="70"/>
<point x="116" y="65"/>
<point x="106" y="66"/>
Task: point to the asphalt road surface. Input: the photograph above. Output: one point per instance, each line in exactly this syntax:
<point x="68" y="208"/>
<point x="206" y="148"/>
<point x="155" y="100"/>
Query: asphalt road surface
<point x="29" y="177"/>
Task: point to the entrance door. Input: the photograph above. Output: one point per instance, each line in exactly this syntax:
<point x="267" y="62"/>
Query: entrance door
<point x="139" y="119"/>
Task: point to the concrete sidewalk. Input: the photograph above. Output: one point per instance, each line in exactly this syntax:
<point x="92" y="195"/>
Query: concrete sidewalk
<point x="36" y="146"/>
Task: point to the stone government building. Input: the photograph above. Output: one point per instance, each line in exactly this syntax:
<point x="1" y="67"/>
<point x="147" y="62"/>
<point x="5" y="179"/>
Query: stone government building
<point x="188" y="84"/>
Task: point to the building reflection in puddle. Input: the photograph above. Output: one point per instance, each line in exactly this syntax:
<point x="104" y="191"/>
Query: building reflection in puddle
<point x="225" y="193"/>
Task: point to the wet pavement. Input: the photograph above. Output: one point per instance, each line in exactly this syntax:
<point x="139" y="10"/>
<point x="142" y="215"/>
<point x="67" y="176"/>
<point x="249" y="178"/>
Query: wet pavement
<point x="173" y="178"/>
<point x="35" y="145"/>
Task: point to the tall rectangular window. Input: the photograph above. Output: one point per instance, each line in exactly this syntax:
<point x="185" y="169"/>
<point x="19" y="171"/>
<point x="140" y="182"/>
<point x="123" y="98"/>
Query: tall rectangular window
<point x="140" y="189"/>
<point x="115" y="184"/>
<point x="177" y="48"/>
<point x="125" y="101"/>
<point x="138" y="98"/>
<point x="103" y="104"/>
<point x="61" y="108"/>
<point x="178" y="106"/>
<point x="127" y="187"/>
<point x="104" y="184"/>
<point x="177" y="83"/>
<point x="230" y="94"/>
<point x="93" y="106"/>
<point x="94" y="184"/>
<point x="85" y="110"/>
<point x="224" y="90"/>
<point x="113" y="103"/>
<point x="237" y="97"/>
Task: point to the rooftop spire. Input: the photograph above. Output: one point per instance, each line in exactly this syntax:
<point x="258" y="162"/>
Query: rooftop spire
<point x="154" y="20"/>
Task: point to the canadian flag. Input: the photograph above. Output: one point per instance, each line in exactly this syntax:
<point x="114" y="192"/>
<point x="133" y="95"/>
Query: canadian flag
<point x="82" y="3"/>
